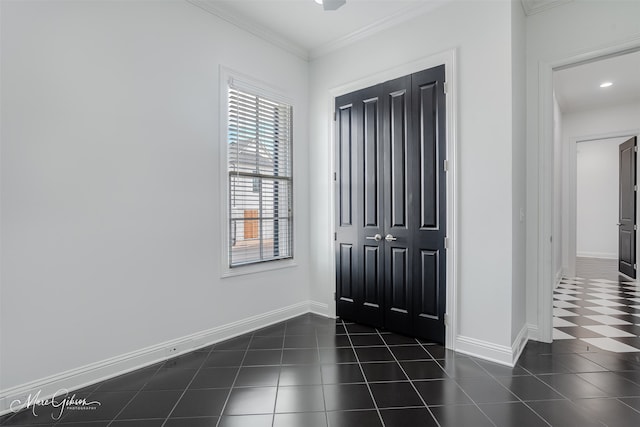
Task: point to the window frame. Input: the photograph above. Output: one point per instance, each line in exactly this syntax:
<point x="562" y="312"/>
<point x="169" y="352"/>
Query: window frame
<point x="256" y="87"/>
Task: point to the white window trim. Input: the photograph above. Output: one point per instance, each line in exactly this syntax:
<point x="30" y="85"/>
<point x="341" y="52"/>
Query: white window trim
<point x="257" y="87"/>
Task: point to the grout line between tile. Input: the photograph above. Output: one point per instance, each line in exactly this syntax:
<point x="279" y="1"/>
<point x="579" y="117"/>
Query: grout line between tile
<point x="134" y="396"/>
<point x="234" y="382"/>
<point x="324" y="399"/>
<point x="517" y="397"/>
<point x="284" y="338"/>
<point x="187" y="387"/>
<point x="363" y="375"/>
<point x="466" y="394"/>
<point x="409" y="379"/>
<point x="619" y="399"/>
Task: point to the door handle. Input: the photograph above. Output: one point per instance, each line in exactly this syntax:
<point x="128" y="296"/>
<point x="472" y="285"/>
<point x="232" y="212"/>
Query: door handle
<point x="377" y="237"/>
<point x="389" y="238"/>
<point x="618" y="224"/>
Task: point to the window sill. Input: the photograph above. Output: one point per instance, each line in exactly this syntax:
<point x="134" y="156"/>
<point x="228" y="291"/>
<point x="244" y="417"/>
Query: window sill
<point x="258" y="268"/>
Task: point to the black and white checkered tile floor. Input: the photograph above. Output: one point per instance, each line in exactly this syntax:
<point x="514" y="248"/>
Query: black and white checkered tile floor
<point x="603" y="312"/>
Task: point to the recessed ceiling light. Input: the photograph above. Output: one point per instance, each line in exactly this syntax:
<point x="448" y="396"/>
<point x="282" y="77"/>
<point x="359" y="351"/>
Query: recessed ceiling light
<point x="606" y="84"/>
<point x="318" y="1"/>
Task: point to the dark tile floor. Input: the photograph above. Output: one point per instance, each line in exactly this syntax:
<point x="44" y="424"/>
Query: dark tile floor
<point x="312" y="371"/>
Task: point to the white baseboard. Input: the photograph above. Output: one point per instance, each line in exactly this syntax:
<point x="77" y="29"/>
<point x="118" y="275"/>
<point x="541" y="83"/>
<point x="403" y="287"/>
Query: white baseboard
<point x="86" y="375"/>
<point x="533" y="332"/>
<point x="519" y="343"/>
<point x="319" y="308"/>
<point x="484" y="350"/>
<point x="558" y="279"/>
<point x="496" y="353"/>
<point x="602" y="255"/>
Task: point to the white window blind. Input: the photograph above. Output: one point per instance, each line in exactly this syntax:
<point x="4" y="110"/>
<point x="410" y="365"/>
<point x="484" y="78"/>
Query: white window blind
<point x="260" y="179"/>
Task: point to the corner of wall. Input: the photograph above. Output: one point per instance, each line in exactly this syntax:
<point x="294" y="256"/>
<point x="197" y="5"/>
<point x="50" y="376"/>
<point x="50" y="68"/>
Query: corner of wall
<point x="320" y="309"/>
<point x="533" y="332"/>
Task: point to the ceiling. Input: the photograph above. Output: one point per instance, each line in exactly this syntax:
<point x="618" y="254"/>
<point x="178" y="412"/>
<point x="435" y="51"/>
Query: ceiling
<point x="304" y="28"/>
<point x="578" y="88"/>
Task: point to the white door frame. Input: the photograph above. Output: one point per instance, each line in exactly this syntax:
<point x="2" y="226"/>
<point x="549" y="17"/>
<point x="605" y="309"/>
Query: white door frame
<point x="573" y="190"/>
<point x="546" y="277"/>
<point x="448" y="58"/>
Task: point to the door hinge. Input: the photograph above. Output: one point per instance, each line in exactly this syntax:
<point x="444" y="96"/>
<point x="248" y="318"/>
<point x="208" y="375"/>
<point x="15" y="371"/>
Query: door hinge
<point x="335" y="116"/>
<point x="334" y="297"/>
<point x="635" y="266"/>
<point x="335" y="176"/>
<point x="446" y="165"/>
<point x="446" y="243"/>
<point x="335" y="236"/>
<point x="446" y="319"/>
<point x="635" y="148"/>
<point x="635" y="188"/>
<point x="446" y="87"/>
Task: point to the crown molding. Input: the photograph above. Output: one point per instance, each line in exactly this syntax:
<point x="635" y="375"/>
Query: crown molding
<point x="261" y="31"/>
<point x="532" y="7"/>
<point x="252" y="27"/>
<point x="376" y="27"/>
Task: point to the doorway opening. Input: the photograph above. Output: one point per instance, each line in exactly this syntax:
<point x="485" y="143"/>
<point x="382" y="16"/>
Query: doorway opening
<point x="594" y="217"/>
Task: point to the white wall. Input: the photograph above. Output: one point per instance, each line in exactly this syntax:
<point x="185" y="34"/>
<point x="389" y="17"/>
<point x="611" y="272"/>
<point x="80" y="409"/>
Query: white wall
<point x="596" y="122"/>
<point x="601" y="25"/>
<point x="111" y="216"/>
<point x="481" y="34"/>
<point x="597" y="198"/>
